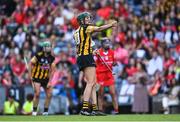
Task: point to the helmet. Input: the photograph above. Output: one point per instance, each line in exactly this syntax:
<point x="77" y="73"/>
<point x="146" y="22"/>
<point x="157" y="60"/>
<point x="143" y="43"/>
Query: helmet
<point x="46" y="44"/>
<point x="105" y="42"/>
<point x="82" y="16"/>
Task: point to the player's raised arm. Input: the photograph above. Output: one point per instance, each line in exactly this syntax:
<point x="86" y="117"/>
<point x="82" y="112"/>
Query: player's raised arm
<point x="86" y="17"/>
<point x="104" y="27"/>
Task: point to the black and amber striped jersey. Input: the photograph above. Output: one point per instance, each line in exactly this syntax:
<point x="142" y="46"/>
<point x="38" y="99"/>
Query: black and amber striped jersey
<point x="82" y="36"/>
<point x="41" y="66"/>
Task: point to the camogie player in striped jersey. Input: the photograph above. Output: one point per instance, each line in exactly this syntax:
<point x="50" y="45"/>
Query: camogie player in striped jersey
<point x="85" y="59"/>
<point x="42" y="67"/>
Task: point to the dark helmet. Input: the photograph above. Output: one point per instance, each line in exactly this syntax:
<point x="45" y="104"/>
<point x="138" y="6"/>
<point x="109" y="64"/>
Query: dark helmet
<point x="82" y="16"/>
<point x="105" y="43"/>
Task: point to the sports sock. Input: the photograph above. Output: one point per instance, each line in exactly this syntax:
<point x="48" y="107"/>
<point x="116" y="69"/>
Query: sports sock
<point x="85" y="105"/>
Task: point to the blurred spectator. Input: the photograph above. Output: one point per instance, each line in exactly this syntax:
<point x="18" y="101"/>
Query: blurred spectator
<point x="121" y="54"/>
<point x="8" y="6"/>
<point x="19" y="38"/>
<point x="11" y="107"/>
<point x="18" y="68"/>
<point x="172" y="99"/>
<point x="7" y="79"/>
<point x="27" y="108"/>
<point x="155" y="64"/>
<point x="158" y="80"/>
<point x="141" y="102"/>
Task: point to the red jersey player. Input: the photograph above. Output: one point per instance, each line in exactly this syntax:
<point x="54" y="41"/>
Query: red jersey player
<point x="104" y="73"/>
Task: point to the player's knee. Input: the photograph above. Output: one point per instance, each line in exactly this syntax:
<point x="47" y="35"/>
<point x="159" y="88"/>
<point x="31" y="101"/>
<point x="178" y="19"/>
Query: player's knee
<point x="36" y="95"/>
<point x="100" y="95"/>
<point x="49" y="95"/>
<point x="113" y="95"/>
<point x="91" y="83"/>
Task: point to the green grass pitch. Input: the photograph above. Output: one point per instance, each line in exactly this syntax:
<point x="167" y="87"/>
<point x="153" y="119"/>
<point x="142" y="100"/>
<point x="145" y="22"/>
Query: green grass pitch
<point x="79" y="118"/>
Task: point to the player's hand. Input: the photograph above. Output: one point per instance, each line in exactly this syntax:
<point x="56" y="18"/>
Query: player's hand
<point x="96" y="52"/>
<point x="114" y="23"/>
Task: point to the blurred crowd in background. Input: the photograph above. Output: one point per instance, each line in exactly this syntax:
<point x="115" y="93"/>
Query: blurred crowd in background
<point x="146" y="41"/>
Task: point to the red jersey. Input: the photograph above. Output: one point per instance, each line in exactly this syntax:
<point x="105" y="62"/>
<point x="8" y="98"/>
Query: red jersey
<point x="104" y="76"/>
<point x="108" y="57"/>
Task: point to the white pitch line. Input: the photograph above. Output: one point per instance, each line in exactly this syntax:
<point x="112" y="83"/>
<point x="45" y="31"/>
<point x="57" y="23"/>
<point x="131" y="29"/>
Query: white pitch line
<point x="90" y="121"/>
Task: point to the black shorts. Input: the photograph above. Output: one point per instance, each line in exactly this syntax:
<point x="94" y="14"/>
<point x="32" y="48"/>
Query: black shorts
<point x="84" y="61"/>
<point x="43" y="82"/>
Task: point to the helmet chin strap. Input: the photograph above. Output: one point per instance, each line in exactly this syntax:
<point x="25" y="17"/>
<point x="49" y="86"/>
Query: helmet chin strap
<point x="106" y="48"/>
<point x="47" y="53"/>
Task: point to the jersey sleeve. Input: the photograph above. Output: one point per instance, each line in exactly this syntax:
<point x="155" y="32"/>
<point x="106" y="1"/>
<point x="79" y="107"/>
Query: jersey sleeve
<point x="76" y="37"/>
<point x="38" y="55"/>
<point x="52" y="59"/>
<point x="33" y="60"/>
<point x="90" y="29"/>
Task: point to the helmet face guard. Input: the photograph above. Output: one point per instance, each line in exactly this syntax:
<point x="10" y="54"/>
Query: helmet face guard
<point x="46" y="46"/>
<point x="81" y="18"/>
<point x="105" y="43"/>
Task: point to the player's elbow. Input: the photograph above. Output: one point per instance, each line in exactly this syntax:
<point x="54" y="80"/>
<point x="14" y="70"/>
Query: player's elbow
<point x="98" y="29"/>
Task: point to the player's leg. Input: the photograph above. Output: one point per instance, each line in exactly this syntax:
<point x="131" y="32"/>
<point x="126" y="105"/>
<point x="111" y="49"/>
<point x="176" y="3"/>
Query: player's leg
<point x="89" y="73"/>
<point x="37" y="87"/>
<point x="94" y="96"/>
<point x="95" y="109"/>
<point x="114" y="98"/>
<point x="48" y="91"/>
<point x="100" y="98"/>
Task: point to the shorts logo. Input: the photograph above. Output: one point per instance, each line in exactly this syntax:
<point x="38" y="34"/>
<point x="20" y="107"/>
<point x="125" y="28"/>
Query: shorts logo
<point x="45" y="67"/>
<point x="42" y="60"/>
<point x="46" y="62"/>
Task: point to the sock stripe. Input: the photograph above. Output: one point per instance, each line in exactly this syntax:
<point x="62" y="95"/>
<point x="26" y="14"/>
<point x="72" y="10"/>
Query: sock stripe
<point x="85" y="102"/>
<point x="85" y="105"/>
<point x="94" y="107"/>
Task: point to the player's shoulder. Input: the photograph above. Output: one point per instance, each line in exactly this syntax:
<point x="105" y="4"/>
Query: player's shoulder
<point x="39" y="53"/>
<point x="111" y="51"/>
<point x="90" y="27"/>
<point x="52" y="57"/>
<point x="100" y="50"/>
